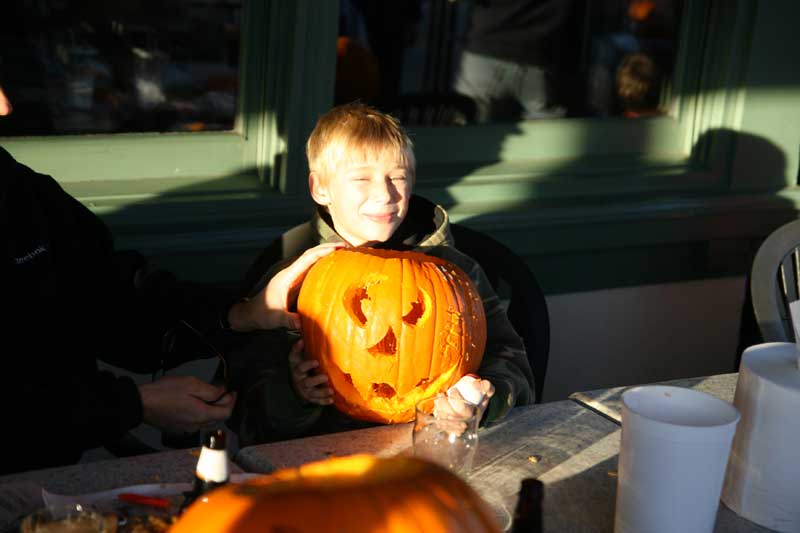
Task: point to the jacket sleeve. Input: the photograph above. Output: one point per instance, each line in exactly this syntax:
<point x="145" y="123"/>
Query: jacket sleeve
<point x="267" y="408"/>
<point x="505" y="361"/>
<point x="163" y="322"/>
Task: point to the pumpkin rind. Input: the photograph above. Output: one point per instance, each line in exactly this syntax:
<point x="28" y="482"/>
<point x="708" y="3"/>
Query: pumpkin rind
<point x="360" y="493"/>
<point x="390" y="328"/>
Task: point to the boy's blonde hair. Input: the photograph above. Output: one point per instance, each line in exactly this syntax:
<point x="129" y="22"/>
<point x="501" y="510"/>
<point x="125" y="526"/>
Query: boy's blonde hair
<point x="354" y="133"/>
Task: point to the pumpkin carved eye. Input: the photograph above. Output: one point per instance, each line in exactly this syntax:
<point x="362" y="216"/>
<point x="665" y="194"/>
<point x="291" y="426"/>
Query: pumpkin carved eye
<point x="353" y="297"/>
<point x="417" y="309"/>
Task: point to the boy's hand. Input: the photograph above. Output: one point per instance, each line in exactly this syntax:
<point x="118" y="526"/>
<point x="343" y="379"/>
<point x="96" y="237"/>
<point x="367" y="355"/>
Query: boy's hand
<point x="308" y="385"/>
<point x="269" y="309"/>
<point x="474" y="390"/>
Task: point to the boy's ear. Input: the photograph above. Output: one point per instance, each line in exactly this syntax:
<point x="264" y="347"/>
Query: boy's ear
<point x="319" y="191"/>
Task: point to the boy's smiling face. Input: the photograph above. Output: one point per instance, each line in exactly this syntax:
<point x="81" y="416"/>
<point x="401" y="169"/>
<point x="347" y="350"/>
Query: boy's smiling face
<point x="367" y="198"/>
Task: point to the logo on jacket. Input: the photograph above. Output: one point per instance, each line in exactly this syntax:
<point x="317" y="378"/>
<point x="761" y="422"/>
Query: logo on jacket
<point x="30" y="255"/>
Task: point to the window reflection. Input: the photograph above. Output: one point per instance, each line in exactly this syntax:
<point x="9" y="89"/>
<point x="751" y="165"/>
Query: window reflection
<point x="459" y="62"/>
<point x="91" y="66"/>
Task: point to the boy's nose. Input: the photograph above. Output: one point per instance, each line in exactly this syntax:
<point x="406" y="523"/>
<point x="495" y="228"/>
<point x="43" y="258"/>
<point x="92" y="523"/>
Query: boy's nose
<point x="383" y="191"/>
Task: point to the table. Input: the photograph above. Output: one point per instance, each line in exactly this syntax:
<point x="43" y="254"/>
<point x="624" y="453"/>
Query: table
<point x="566" y="444"/>
<point x="559" y="439"/>
<point x="608" y="402"/>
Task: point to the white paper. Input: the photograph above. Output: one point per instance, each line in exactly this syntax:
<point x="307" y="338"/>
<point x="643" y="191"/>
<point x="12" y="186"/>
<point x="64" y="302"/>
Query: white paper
<point x="152" y="489"/>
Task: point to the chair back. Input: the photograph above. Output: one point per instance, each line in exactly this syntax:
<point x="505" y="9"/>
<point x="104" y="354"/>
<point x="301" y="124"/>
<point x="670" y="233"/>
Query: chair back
<point x="774" y="282"/>
<point x="511" y="278"/>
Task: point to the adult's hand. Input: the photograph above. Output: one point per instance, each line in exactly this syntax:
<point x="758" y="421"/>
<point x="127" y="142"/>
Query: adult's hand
<point x="184" y="404"/>
<point x="269" y="309"/>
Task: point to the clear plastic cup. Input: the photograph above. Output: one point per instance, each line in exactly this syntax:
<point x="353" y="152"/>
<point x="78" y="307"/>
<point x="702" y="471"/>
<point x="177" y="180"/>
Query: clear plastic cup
<point x="446" y="432"/>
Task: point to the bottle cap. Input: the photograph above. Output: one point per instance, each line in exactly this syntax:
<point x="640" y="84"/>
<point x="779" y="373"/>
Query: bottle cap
<point x="215" y="440"/>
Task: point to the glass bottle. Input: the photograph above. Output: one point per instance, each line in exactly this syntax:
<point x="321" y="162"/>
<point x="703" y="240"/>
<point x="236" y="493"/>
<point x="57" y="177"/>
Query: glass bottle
<point x="528" y="513"/>
<point x="212" y="467"/>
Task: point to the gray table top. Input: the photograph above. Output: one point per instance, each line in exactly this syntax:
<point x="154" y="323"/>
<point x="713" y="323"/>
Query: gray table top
<point x="608" y="402"/>
<point x="164" y="467"/>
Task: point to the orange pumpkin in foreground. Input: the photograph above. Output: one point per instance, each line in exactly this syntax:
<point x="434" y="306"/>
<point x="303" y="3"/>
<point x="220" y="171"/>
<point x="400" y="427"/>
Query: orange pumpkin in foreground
<point x="390" y="328"/>
<point x="359" y="493"/>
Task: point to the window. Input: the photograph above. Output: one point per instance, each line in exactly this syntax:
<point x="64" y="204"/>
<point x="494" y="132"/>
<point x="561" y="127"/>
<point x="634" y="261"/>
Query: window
<point x="76" y="68"/>
<point x="442" y="62"/>
<point x="228" y="134"/>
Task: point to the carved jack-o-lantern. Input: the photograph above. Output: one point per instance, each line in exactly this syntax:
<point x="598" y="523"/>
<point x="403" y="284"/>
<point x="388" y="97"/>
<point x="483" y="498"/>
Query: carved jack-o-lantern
<point x="359" y="493"/>
<point x="390" y="328"/>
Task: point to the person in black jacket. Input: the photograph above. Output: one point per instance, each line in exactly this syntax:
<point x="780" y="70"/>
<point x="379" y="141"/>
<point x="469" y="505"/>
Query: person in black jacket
<point x="70" y="300"/>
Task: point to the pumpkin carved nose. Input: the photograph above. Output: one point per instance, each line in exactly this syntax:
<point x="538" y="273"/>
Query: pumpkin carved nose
<point x="386" y="346"/>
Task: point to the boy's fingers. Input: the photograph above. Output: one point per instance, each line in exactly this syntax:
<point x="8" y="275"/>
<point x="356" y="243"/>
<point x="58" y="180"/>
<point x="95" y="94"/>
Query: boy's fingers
<point x="315" y="380"/>
<point x="293" y="321"/>
<point x="320" y="394"/>
<point x="320" y="401"/>
<point x="303" y="367"/>
<point x="297" y="347"/>
<point x="296" y="353"/>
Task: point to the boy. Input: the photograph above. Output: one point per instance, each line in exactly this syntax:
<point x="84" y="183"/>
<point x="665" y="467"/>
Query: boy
<point x="638" y="85"/>
<point x="361" y="178"/>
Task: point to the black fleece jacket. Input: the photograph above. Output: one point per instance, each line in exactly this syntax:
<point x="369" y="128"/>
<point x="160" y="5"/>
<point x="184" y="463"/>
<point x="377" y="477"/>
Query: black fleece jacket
<point x="69" y="300"/>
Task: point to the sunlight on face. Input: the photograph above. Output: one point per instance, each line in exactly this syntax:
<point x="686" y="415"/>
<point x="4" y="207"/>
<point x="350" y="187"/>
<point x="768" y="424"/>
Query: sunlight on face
<point x="368" y="197"/>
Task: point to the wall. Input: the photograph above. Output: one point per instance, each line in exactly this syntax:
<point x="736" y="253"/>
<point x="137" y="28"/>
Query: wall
<point x="634" y="335"/>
